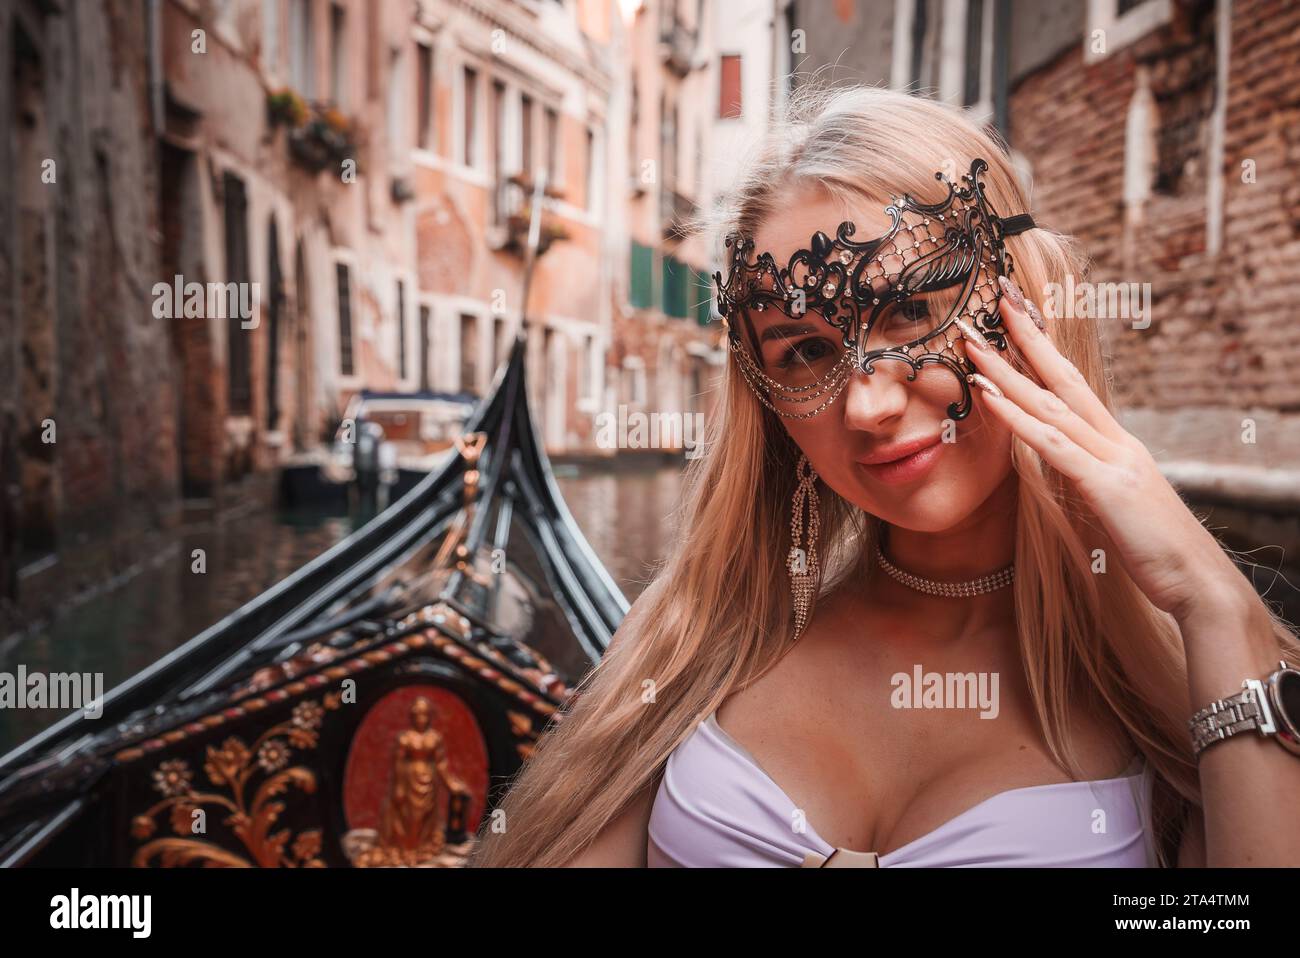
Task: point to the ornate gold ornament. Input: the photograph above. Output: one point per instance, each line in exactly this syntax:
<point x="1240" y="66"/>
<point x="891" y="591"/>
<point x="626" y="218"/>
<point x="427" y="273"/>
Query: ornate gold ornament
<point x="413" y="825"/>
<point x="248" y="782"/>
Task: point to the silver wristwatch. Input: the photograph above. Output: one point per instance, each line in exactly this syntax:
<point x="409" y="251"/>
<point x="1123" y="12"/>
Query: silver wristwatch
<point x="1271" y="706"/>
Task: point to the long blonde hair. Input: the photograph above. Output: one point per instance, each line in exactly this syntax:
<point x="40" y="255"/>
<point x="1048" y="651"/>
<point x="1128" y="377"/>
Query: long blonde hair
<point x="718" y="614"/>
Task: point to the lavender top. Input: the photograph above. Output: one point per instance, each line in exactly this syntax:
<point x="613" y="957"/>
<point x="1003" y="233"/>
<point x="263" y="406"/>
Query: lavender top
<point x="717" y="807"/>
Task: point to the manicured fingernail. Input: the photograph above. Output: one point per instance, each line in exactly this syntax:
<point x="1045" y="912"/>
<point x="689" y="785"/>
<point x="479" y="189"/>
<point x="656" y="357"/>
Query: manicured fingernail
<point x="984" y="383"/>
<point x="1012" y="290"/>
<point x="1035" y="315"/>
<point x="971" y="334"/>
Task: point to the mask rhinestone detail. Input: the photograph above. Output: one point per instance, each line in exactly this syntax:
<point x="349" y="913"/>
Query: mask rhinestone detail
<point x="895" y="297"/>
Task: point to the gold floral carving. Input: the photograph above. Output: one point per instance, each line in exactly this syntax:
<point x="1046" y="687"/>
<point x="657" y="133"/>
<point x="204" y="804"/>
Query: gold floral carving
<point x="247" y="783"/>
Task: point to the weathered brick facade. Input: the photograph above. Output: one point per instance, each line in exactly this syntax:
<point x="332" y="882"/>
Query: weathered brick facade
<point x="82" y="362"/>
<point x="1213" y="384"/>
<point x="174" y="131"/>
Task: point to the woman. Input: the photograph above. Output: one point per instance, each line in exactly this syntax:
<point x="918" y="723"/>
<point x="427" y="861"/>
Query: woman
<point x="908" y="478"/>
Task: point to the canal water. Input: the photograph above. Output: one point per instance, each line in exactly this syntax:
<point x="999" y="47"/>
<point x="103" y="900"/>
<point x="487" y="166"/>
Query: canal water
<point x="626" y="514"/>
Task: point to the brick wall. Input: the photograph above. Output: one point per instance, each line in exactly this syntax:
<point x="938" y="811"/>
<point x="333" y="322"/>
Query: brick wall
<point x="1222" y="329"/>
<point x="81" y="346"/>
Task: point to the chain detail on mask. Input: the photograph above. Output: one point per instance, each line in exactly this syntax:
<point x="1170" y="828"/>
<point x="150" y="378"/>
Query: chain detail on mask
<point x="836" y="380"/>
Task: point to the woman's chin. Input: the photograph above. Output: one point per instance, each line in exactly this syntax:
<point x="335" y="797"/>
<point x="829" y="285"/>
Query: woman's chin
<point x="935" y="509"/>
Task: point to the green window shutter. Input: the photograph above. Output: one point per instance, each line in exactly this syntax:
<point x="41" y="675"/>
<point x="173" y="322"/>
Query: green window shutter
<point x="656" y="280"/>
<point x="642" y="276"/>
<point x="676" y="279"/>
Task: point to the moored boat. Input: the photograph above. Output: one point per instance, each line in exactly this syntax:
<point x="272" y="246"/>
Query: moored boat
<point x="367" y="710"/>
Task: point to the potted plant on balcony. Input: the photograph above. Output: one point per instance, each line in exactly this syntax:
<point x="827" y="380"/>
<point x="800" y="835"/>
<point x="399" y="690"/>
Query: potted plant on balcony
<point x="520" y="216"/>
<point x="319" y="135"/>
<point x="286" y="107"/>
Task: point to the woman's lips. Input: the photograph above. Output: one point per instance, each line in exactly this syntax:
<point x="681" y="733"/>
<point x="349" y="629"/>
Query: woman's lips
<point x="907" y="468"/>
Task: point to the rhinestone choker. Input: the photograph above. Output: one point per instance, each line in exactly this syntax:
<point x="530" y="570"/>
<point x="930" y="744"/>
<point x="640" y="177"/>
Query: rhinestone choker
<point x="987" y="583"/>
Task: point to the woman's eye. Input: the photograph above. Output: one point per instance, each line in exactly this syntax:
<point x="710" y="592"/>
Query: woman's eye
<point x="910" y="313"/>
<point x="807" y="351"/>
<point x="909" y="321"/>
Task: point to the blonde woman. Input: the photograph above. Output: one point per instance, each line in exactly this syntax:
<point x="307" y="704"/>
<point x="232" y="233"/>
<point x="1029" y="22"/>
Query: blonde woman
<point x="931" y="605"/>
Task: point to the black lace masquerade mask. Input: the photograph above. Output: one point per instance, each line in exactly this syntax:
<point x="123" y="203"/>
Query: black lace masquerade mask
<point x="895" y="297"/>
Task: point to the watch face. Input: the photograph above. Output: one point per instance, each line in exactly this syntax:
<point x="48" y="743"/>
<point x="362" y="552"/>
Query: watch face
<point x="1286" y="703"/>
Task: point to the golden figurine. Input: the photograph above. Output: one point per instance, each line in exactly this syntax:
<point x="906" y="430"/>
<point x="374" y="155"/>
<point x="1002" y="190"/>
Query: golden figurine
<point x="413" y="825"/>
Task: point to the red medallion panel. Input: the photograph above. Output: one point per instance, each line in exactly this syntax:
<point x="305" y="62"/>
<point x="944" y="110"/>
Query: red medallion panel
<point x="415" y="781"/>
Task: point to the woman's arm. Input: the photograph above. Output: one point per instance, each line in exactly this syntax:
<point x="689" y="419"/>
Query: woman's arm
<point x="1249" y="784"/>
<point x="622" y="843"/>
<point x="1191" y="849"/>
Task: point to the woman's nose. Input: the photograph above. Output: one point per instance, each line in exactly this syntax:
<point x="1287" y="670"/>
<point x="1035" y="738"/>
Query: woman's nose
<point x="873" y="399"/>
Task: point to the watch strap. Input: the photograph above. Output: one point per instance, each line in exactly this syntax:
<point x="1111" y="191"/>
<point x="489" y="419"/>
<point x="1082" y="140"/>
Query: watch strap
<point x="1228" y="716"/>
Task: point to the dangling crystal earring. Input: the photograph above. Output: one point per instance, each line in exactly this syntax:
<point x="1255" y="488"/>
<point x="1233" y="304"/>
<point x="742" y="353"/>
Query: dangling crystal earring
<point x="805" y="571"/>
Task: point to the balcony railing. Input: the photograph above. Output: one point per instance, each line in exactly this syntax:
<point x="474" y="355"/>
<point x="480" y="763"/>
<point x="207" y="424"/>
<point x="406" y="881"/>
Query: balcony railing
<point x="676" y="45"/>
<point x="318" y="134"/>
<point x="512" y="214"/>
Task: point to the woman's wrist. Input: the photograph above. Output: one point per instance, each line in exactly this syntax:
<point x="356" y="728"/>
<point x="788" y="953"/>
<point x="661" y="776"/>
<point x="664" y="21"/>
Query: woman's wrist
<point x="1228" y="626"/>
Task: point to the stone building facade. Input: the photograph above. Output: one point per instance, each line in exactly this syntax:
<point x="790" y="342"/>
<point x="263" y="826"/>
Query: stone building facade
<point x="89" y="383"/>
<point x="665" y="355"/>
<point x="254" y="209"/>
<point x="365" y="151"/>
<point x="1159" y="134"/>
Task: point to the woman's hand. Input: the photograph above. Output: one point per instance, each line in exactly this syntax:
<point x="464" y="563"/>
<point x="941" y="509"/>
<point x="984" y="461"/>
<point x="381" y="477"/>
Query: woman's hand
<point x="1169" y="554"/>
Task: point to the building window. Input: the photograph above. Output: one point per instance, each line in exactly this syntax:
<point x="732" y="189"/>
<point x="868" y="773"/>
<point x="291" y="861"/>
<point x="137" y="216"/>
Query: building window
<point x="919" y="26"/>
<point x="498" y="343"/>
<point x="634" y="384"/>
<point x="590" y="188"/>
<point x="586" y="381"/>
<point x="425" y="319"/>
<point x="469" y="353"/>
<point x="971" y="84"/>
<point x="424" y="95"/>
<point x="302" y="38"/>
<point x="239" y="393"/>
<point x="401" y="329"/>
<point x="338" y="57"/>
<point x="471" y="89"/>
<point x="634" y="121"/>
<point x="642" y="276"/>
<point x="398" y="101"/>
<point x="526" y="134"/>
<point x="1121" y="22"/>
<point x="498" y="133"/>
<point x="373" y="40"/>
<point x="703" y="298"/>
<point x="552" y="145"/>
<point x="729" y="95"/>
<point x="553" y="386"/>
<point x="274" y="309"/>
<point x="668" y="142"/>
<point x="344" y="286"/>
<point x="676" y="278"/>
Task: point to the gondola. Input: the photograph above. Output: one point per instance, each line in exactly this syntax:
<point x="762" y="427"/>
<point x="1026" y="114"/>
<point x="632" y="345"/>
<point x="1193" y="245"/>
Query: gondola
<point x="369" y="710"/>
